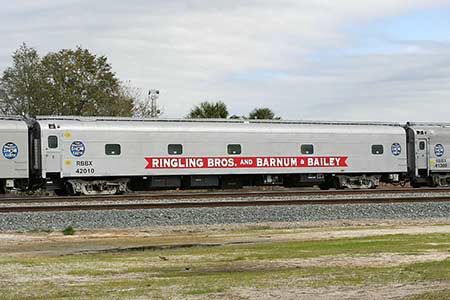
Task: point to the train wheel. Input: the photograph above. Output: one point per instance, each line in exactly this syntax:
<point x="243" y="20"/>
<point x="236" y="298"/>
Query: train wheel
<point x="2" y="187"/>
<point x="337" y="184"/>
<point x="414" y="184"/>
<point x="324" y="186"/>
<point x="61" y="192"/>
<point x="68" y="188"/>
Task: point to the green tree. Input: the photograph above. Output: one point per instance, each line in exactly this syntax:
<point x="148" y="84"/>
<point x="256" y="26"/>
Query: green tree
<point x="67" y="82"/>
<point x="209" y="110"/>
<point x="263" y="114"/>
<point x="83" y="84"/>
<point x="20" y="85"/>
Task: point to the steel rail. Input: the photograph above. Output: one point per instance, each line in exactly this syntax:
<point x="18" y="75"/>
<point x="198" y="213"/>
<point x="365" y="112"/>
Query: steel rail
<point x="205" y="195"/>
<point x="177" y="205"/>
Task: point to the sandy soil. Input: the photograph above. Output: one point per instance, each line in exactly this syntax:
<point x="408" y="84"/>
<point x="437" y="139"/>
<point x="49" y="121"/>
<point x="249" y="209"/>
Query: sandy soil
<point x="372" y="292"/>
<point x="55" y="243"/>
<point x="41" y="243"/>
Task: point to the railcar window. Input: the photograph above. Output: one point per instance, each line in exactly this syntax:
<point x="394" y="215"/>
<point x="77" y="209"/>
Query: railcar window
<point x="234" y="149"/>
<point x="53" y="141"/>
<point x="377" y="149"/>
<point x="175" y="149"/>
<point x="112" y="149"/>
<point x="307" y="149"/>
<point x="422" y="145"/>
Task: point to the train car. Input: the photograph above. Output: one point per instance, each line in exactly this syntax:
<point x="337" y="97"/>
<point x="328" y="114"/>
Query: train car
<point x="14" y="158"/>
<point x="428" y="153"/>
<point x="110" y="155"/>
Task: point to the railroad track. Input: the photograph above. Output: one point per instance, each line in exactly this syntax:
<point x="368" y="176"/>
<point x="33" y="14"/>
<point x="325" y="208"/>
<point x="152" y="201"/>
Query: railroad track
<point x="148" y="201"/>
<point x="211" y="195"/>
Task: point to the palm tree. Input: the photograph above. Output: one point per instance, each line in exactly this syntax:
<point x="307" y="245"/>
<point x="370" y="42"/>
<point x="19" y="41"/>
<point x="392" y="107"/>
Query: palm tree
<point x="209" y="110"/>
<point x="262" y="114"/>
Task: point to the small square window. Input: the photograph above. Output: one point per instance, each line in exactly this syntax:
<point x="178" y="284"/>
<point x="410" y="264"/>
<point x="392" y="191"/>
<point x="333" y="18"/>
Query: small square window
<point x="307" y="149"/>
<point x="112" y="149"/>
<point x="377" y="149"/>
<point x="234" y="149"/>
<point x="53" y="141"/>
<point x="175" y="149"/>
<point x="422" y="145"/>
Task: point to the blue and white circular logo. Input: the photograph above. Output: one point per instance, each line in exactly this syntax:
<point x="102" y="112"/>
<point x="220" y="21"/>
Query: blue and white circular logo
<point x="396" y="149"/>
<point x="10" y="150"/>
<point x="439" y="150"/>
<point x="77" y="148"/>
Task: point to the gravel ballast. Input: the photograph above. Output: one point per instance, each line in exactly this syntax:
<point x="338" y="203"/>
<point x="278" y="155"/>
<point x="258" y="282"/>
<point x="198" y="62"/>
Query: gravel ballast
<point x="222" y="215"/>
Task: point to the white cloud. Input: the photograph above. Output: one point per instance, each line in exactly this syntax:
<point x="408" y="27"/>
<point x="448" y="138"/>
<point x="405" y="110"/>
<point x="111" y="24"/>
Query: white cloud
<point x="246" y="53"/>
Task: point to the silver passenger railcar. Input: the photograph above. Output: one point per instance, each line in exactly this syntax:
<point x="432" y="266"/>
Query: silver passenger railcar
<point x="109" y="155"/>
<point x="14" y="157"/>
<point x="429" y="153"/>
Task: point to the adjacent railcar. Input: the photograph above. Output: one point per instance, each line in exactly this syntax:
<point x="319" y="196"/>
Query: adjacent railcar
<point x="14" y="158"/>
<point x="428" y="153"/>
<point x="107" y="155"/>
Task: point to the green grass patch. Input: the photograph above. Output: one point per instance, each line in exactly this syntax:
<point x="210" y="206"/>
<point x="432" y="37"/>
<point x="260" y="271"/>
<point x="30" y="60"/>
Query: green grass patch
<point x="205" y="290"/>
<point x="69" y="230"/>
<point x="307" y="249"/>
<point x="221" y="278"/>
<point x="208" y="270"/>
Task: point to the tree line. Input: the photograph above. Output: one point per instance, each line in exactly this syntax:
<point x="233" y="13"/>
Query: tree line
<point x="78" y="82"/>
<point x="219" y="110"/>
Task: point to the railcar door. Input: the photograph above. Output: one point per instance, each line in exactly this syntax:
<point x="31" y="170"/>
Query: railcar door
<point x="52" y="154"/>
<point x="422" y="158"/>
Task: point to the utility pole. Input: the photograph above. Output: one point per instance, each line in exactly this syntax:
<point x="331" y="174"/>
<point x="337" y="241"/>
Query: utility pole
<point x="154" y="96"/>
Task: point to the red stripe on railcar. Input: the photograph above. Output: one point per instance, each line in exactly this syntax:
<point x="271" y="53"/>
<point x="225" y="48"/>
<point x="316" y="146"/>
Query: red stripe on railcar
<point x="246" y="162"/>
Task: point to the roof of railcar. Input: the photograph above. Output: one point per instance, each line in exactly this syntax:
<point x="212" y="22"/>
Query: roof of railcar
<point x="428" y="124"/>
<point x="12" y="118"/>
<point x="13" y="123"/>
<point x="217" y="125"/>
<point x="215" y="121"/>
<point x="432" y="129"/>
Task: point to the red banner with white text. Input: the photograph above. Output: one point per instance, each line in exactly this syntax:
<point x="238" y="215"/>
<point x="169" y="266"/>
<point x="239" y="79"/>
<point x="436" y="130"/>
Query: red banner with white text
<point x="246" y="162"/>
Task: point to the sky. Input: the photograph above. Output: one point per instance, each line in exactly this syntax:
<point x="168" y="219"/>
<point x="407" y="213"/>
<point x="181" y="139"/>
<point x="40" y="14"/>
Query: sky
<point x="384" y="60"/>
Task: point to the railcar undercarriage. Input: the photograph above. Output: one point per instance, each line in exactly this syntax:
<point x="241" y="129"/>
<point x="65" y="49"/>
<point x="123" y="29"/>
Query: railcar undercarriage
<point x="7" y="185"/>
<point x="361" y="181"/>
<point x="96" y="187"/>
<point x="111" y="186"/>
<point x="358" y="182"/>
<point x="441" y="179"/>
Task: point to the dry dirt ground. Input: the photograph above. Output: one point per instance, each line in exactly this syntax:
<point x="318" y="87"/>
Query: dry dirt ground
<point x="358" y="260"/>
